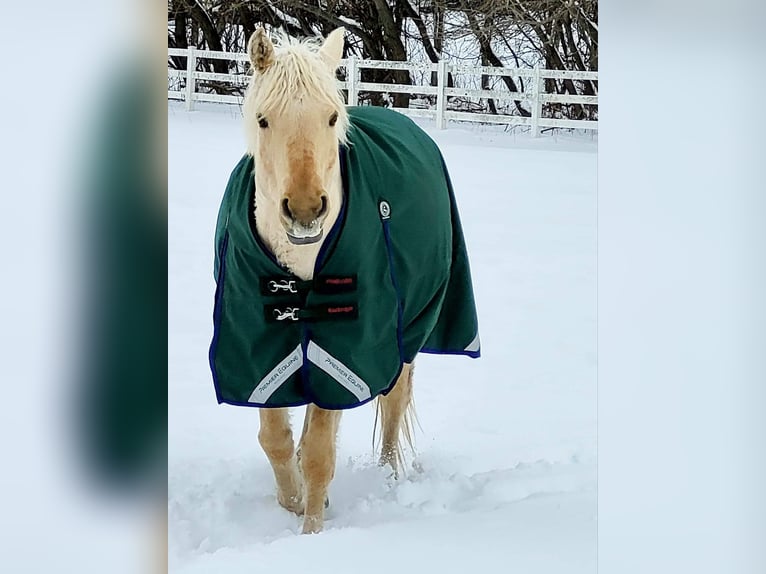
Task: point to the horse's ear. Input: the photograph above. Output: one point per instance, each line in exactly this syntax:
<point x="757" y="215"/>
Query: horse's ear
<point x="332" y="49"/>
<point x="261" y="50"/>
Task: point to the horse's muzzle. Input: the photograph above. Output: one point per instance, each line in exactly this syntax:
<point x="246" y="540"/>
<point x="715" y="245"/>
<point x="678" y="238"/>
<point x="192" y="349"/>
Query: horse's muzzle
<point x="305" y="239"/>
<point x="303" y="223"/>
<point x="302" y="235"/>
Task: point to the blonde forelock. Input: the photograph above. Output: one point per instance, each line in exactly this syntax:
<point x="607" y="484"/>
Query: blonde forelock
<point x="298" y="71"/>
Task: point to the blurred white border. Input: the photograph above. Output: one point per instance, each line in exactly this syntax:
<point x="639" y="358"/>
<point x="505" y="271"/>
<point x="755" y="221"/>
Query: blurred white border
<point x="681" y="283"/>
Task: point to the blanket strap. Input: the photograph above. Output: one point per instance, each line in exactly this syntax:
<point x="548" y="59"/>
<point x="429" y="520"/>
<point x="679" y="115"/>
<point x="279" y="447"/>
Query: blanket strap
<point x="289" y="313"/>
<point x="325" y="284"/>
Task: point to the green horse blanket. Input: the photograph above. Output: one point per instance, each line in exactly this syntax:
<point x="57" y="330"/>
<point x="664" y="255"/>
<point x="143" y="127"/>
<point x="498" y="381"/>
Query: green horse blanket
<point x="392" y="279"/>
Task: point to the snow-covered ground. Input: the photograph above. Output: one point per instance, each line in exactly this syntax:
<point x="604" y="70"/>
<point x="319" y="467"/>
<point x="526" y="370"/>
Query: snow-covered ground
<point x="505" y="473"/>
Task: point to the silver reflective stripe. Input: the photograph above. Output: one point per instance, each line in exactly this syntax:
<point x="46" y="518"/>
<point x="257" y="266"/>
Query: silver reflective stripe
<point x="474" y="345"/>
<point x="338" y="371"/>
<point x="277" y="377"/>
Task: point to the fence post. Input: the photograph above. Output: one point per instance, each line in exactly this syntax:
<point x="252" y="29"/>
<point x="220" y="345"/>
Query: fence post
<point x="441" y="99"/>
<point x="191" y="66"/>
<point x="353" y="96"/>
<point x="537" y="103"/>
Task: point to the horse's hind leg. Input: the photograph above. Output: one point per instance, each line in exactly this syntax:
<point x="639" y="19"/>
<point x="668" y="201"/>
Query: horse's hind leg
<point x="276" y="438"/>
<point x="317" y="462"/>
<point x="393" y="414"/>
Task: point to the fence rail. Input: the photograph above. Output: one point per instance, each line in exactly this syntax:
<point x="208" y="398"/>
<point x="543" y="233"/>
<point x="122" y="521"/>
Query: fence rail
<point x="533" y="92"/>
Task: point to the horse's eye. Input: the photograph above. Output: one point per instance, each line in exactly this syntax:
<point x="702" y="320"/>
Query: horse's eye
<point x="333" y="119"/>
<point x="263" y="122"/>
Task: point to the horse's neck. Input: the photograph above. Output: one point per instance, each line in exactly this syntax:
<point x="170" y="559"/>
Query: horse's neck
<point x="299" y="259"/>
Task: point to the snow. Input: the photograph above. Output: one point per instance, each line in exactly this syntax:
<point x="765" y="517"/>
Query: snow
<point x="504" y="474"/>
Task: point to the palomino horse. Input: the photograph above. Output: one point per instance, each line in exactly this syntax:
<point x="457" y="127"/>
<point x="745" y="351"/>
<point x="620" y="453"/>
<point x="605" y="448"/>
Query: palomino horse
<point x="337" y="262"/>
<point x="294" y="141"/>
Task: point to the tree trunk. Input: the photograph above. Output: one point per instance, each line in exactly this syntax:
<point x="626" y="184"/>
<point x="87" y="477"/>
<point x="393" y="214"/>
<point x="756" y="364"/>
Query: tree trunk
<point x="180" y="39"/>
<point x="209" y="33"/>
<point x="394" y="48"/>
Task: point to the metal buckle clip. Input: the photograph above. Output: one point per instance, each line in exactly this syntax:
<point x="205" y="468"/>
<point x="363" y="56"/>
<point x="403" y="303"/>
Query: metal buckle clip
<point x="285" y="285"/>
<point x="290" y="313"/>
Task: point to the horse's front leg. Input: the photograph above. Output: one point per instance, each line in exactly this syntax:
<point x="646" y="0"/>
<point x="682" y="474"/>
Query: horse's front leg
<point x="276" y="438"/>
<point x="317" y="462"/>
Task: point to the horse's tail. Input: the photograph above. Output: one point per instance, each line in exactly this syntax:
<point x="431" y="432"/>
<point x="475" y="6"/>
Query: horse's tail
<point x="399" y="404"/>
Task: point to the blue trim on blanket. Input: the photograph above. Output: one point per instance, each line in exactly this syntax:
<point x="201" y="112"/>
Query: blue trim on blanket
<point x="399" y="306"/>
<point x="472" y="354"/>
<point x="325" y="406"/>
<point x="329" y="241"/>
<point x="261" y="406"/>
<point x="217" y="315"/>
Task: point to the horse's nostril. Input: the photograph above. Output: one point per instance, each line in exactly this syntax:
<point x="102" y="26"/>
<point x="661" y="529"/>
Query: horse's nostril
<point x="323" y="207"/>
<point x="286" y="209"/>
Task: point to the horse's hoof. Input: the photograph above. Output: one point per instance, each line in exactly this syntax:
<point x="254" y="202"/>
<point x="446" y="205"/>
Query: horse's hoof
<point x="389" y="464"/>
<point x="292" y="503"/>
<point x="312" y="526"/>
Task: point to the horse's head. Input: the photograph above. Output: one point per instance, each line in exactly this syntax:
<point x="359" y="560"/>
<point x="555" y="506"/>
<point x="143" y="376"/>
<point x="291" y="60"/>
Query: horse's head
<point x="295" y="118"/>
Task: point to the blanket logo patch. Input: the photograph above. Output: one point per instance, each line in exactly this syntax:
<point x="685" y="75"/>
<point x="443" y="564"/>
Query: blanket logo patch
<point x="277" y="377"/>
<point x="338" y="371"/>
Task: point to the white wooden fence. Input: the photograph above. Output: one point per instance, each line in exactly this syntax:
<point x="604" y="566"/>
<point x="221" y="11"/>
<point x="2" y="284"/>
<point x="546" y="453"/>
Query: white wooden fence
<point x="533" y="94"/>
